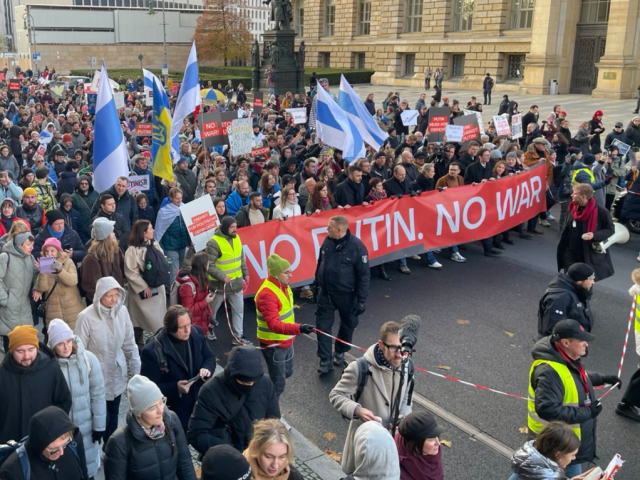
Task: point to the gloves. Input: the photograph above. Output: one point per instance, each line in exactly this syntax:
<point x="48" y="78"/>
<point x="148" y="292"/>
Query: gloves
<point x="57" y="266"/>
<point x="612" y="380"/>
<point x="359" y="309"/>
<point x="596" y="408"/>
<point x="608" y="180"/>
<point x="306" y="329"/>
<point x="97" y="436"/>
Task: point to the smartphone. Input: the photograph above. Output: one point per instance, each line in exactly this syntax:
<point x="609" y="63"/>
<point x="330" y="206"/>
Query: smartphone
<point x="154" y="292"/>
<point x="197" y="377"/>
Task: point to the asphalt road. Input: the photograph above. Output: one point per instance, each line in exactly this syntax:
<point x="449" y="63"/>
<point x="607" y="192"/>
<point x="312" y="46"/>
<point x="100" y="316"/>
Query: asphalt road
<point x="498" y="299"/>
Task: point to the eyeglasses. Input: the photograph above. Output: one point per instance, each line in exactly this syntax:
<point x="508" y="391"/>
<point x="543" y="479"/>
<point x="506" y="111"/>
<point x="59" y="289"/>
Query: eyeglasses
<point x="393" y="348"/>
<point x="157" y="407"/>
<point x="62" y="447"/>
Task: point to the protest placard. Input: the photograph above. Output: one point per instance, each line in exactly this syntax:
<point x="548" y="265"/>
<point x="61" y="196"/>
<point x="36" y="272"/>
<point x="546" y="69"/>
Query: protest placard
<point x="149" y="98"/>
<point x="139" y="182"/>
<point x="201" y="220"/>
<point x="438" y="121"/>
<point x="144" y="130"/>
<point x="502" y="125"/>
<point x="471" y="130"/>
<point x="57" y="89"/>
<point x="409" y="117"/>
<point x="516" y="126"/>
<point x="38" y="118"/>
<point x="257" y="103"/>
<point x="260" y="151"/>
<point x="479" y="116"/>
<point x="454" y="133"/>
<point x="92" y="99"/>
<point x="299" y="115"/>
<point x="175" y="89"/>
<point x="213" y="127"/>
<point x="118" y="99"/>
<point x="623" y="148"/>
<point x="241" y="136"/>
<point x="14" y="85"/>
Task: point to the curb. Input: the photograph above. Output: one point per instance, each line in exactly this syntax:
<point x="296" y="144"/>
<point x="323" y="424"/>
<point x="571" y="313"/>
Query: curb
<point x="314" y="458"/>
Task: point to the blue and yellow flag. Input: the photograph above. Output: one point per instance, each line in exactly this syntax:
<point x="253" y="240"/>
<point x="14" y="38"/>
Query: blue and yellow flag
<point x="161" y="145"/>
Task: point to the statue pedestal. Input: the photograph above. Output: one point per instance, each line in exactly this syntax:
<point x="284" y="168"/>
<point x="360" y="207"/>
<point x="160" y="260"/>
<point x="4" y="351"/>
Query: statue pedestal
<point x="281" y="45"/>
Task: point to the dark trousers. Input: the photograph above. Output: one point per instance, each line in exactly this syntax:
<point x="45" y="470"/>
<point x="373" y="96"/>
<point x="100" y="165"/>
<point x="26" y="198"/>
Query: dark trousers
<point x="327" y="305"/>
<point x="570" y="257"/>
<point x="487" y="97"/>
<point x="487" y="244"/>
<point x="632" y="394"/>
<point x="113" y="409"/>
<point x="279" y="364"/>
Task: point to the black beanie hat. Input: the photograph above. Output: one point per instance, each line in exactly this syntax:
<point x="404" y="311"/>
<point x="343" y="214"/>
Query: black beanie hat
<point x="226" y="223"/>
<point x="223" y="462"/>
<point x="580" y="271"/>
<point x="588" y="159"/>
<point x="53" y="215"/>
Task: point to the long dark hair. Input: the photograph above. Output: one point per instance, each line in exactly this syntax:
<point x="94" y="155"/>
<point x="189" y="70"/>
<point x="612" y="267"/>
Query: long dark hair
<point x="264" y="185"/>
<point x="316" y="199"/>
<point x="136" y="237"/>
<point x="198" y="269"/>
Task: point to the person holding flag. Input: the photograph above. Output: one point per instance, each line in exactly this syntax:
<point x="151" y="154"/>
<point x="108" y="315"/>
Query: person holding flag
<point x="188" y="99"/>
<point x="161" y="146"/>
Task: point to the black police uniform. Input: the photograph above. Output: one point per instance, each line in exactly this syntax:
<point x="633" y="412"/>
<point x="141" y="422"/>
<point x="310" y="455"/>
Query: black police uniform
<point x="342" y="276"/>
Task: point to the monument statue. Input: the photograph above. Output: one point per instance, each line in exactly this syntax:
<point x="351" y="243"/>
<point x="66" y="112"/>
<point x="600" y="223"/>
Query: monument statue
<point x="281" y="13"/>
<point x="255" y="54"/>
<point x="301" y="53"/>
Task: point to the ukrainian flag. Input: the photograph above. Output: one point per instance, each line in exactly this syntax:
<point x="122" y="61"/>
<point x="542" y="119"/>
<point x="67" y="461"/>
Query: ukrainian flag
<point x="161" y="145"/>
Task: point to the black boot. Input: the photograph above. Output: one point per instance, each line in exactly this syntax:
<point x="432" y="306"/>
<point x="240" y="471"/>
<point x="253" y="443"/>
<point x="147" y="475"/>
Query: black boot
<point x="629" y="411"/>
<point x="383" y="273"/>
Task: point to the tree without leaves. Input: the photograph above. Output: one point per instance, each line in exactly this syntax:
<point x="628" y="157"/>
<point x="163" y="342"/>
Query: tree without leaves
<point x="222" y="31"/>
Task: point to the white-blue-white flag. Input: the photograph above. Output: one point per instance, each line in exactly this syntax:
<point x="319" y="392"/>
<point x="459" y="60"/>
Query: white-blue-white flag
<point x="360" y="116"/>
<point x="335" y="129"/>
<point x="149" y="79"/>
<point x="110" y="156"/>
<point x="188" y="99"/>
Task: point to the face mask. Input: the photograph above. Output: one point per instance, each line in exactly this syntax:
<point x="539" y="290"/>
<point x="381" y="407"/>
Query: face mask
<point x="243" y="389"/>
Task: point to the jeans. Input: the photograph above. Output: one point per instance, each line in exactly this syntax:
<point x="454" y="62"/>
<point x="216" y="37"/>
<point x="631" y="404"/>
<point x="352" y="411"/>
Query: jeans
<point x="431" y="258"/>
<point x="113" y="409"/>
<point x="403" y="262"/>
<point x="236" y="301"/>
<point x="177" y="257"/>
<point x="327" y="305"/>
<point x="487" y="96"/>
<point x="280" y="365"/>
<point x="272" y="90"/>
<point x="573" y="470"/>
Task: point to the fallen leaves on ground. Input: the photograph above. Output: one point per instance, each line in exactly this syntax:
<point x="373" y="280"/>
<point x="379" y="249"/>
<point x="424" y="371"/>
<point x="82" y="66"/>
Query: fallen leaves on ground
<point x="387" y="296"/>
<point x="446" y="443"/>
<point x="334" y="455"/>
<point x="509" y="334"/>
<point x="462" y="322"/>
<point x="329" y="436"/>
<point x="444" y="367"/>
<point x="512" y="345"/>
<point x="523" y="430"/>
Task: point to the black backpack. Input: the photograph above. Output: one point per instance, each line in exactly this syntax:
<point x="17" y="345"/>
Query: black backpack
<point x="156" y="268"/>
<point x="18" y="447"/>
<point x="159" y="351"/>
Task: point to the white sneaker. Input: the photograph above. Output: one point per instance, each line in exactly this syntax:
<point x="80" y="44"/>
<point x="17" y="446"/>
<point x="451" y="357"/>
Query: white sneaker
<point x="638" y="258"/>
<point x="435" y="265"/>
<point x="551" y="218"/>
<point x="545" y="223"/>
<point x="415" y="257"/>
<point x="456" y="257"/>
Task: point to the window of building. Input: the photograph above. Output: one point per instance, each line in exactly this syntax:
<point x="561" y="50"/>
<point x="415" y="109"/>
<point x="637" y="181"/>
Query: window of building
<point x="118" y="3"/>
<point x="127" y="3"/>
<point x="522" y="13"/>
<point x="515" y="67"/>
<point x="409" y="64"/>
<point x="329" y="17"/>
<point x="413" y="20"/>
<point x="457" y="66"/>
<point x="325" y="58"/>
<point x="595" y="11"/>
<point x="359" y="60"/>
<point x="299" y="18"/>
<point x="77" y="2"/>
<point x="463" y="15"/>
<point x="364" y="17"/>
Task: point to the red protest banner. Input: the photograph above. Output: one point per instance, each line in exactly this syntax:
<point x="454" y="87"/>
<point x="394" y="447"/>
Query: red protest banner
<point x="144" y="130"/>
<point x="260" y="151"/>
<point x="391" y="228"/>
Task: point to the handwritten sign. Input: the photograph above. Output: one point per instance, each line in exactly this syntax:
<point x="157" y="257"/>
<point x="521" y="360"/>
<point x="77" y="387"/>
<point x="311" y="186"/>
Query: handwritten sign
<point x="144" y="130"/>
<point x="241" y="136"/>
<point x="454" y="133"/>
<point x="516" y="126"/>
<point x="201" y="220"/>
<point x="409" y="117"/>
<point x="502" y="125"/>
<point x="139" y="182"/>
<point x="471" y="130"/>
<point x="438" y="121"/>
<point x="299" y="115"/>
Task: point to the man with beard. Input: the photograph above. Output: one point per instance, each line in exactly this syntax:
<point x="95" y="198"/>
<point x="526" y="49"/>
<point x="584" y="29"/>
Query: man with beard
<point x="30" y="380"/>
<point x="31" y="211"/>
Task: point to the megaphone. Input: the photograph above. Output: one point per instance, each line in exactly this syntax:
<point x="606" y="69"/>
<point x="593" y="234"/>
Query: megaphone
<point x="621" y="236"/>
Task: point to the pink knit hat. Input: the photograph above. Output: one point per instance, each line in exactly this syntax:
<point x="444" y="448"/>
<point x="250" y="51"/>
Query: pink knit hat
<point x="52" y="242"/>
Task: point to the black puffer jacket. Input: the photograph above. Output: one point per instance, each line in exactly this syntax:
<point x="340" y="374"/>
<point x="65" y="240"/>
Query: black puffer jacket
<point x="225" y="410"/>
<point x="125" y="206"/>
<point x="131" y="454"/>
<point x="564" y="299"/>
<point x="69" y="239"/>
<point x="549" y="393"/>
<point x="633" y="134"/>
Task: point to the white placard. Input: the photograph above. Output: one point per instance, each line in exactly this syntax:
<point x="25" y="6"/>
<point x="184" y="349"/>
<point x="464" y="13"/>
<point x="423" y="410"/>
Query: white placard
<point x="118" y="99"/>
<point x="454" y="133"/>
<point x="241" y="136"/>
<point x="201" y="219"/>
<point x="502" y="125"/>
<point x="516" y="126"/>
<point x="409" y="117"/>
<point x="139" y="182"/>
<point x="623" y="148"/>
<point x="478" y="116"/>
<point x="299" y="115"/>
<point x="149" y="100"/>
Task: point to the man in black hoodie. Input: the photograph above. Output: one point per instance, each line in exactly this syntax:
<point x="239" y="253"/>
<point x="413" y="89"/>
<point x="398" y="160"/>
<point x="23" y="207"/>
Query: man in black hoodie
<point x="14" y="143"/>
<point x="30" y="380"/>
<point x="231" y="402"/>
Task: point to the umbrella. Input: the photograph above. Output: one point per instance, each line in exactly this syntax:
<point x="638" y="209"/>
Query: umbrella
<point x="212" y="94"/>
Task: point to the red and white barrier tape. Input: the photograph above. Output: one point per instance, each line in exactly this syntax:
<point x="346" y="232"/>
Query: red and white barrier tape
<point x="626" y="338"/>
<point x="608" y="391"/>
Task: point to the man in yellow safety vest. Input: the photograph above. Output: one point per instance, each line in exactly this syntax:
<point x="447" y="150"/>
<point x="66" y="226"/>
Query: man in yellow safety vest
<point x="228" y="269"/>
<point x="276" y="323"/>
<point x="561" y="389"/>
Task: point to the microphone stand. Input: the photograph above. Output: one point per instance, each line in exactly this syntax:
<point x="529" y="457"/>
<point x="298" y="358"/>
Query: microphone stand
<point x="395" y="405"/>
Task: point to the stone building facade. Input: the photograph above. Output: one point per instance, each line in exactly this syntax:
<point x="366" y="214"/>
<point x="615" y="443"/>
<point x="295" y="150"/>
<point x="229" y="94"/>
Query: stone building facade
<point x="587" y="46"/>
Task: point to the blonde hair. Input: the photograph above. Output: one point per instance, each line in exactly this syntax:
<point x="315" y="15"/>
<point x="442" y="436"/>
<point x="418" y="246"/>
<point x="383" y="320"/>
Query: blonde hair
<point x="18" y="226"/>
<point x="104" y="249"/>
<point x="266" y="432"/>
<point x="635" y="275"/>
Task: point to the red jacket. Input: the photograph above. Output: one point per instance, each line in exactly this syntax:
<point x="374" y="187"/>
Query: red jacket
<point x="269" y="306"/>
<point x="197" y="303"/>
<point x="3" y="224"/>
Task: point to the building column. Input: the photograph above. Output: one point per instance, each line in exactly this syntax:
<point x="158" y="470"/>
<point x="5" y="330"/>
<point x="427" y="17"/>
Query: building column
<point x="389" y="24"/>
<point x="617" y="68"/>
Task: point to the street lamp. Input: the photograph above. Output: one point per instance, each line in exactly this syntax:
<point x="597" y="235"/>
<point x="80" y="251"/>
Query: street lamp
<point x="151" y="13"/>
<point x="28" y="26"/>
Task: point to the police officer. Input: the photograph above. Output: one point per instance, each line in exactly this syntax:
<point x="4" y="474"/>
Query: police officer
<point x="342" y="278"/>
<point x="277" y="328"/>
<point x="561" y="389"/>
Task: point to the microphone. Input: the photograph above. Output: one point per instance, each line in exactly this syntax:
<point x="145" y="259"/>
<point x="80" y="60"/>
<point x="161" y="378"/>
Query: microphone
<point x="409" y="333"/>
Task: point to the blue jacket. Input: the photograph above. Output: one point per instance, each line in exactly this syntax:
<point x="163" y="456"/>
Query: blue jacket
<point x="167" y="381"/>
<point x="268" y="200"/>
<point x="583" y="177"/>
<point x="234" y="203"/>
<point x="13" y="191"/>
<point x="176" y="237"/>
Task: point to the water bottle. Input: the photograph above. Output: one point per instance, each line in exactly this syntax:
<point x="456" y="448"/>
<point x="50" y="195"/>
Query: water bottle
<point x="149" y="266"/>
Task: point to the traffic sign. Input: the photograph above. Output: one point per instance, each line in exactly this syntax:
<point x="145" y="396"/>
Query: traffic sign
<point x="36" y="56"/>
<point x="165" y="71"/>
<point x="93" y="60"/>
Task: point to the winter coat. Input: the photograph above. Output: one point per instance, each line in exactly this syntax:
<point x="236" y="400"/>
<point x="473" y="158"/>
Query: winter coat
<point x="121" y="228"/>
<point x="125" y="206"/>
<point x="130" y="453"/>
<point x="188" y="183"/>
<point x="46" y="198"/>
<point x="601" y="263"/>
<point x="617" y="169"/>
<point x="84" y="204"/>
<point x="349" y="193"/>
<point x="631" y="205"/>
<point x="64" y="301"/>
<point x="633" y="134"/>
<point x="45" y="427"/>
<point x="176" y="370"/>
<point x="16" y="277"/>
<point x="224" y="415"/>
<point x="67" y="183"/>
<point x="72" y="217"/>
<point x="109" y="335"/>
<point x="234" y="202"/>
<point x="176" y="237"/>
<point x="23" y="392"/>
<point x="376" y="396"/>
<point x="593" y="124"/>
<point x="564" y="299"/>
<point x="242" y="217"/>
<point x="10" y="164"/>
<point x="14" y="143"/>
<point x="394" y="187"/>
<point x="213" y="251"/>
<point x="529" y="464"/>
<point x="582" y="141"/>
<point x="289" y="210"/>
<point x="549" y="394"/>
<point x="475" y="172"/>
<point x="615" y="135"/>
<point x="194" y="297"/>
<point x="89" y="408"/>
<point x="69" y="239"/>
<point x="375" y="454"/>
<point x="371" y="106"/>
<point x="92" y="270"/>
<point x="35" y="217"/>
<point x="600" y="175"/>
<point x="532" y="159"/>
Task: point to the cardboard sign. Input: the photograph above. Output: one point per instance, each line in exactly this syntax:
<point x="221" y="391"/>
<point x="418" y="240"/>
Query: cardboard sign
<point x="260" y="151"/>
<point x="201" y="220"/>
<point x="454" y="133"/>
<point x="57" y="89"/>
<point x="144" y="130"/>
<point x="139" y="182"/>
<point x="623" y="148"/>
<point x="502" y="126"/>
<point x="241" y="136"/>
<point x="479" y="115"/>
<point x="14" y="85"/>
<point x="299" y="115"/>
<point x="471" y="130"/>
<point x="438" y="121"/>
<point x="516" y="126"/>
<point x="92" y="99"/>
<point x="257" y="103"/>
<point x="118" y="99"/>
<point x="409" y="117"/>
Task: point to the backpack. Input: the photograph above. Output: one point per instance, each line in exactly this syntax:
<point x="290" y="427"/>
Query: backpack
<point x="18" y="447"/>
<point x="160" y="355"/>
<point x="174" y="296"/>
<point x="566" y="188"/>
<point x="157" y="268"/>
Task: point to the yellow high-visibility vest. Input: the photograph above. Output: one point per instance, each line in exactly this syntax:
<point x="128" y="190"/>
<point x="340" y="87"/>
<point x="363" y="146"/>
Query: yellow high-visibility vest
<point x="575" y="173"/>
<point x="535" y="423"/>
<point x="286" y="312"/>
<point x="230" y="259"/>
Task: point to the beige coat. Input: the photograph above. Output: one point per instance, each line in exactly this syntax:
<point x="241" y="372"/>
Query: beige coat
<point x="65" y="302"/>
<point x="376" y="397"/>
<point x="148" y="313"/>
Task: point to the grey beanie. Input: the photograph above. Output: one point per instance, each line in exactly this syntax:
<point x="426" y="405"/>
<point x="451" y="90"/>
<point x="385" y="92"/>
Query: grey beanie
<point x="142" y="393"/>
<point x="496" y="155"/>
<point x="58" y="331"/>
<point x="102" y="228"/>
<point x="20" y="238"/>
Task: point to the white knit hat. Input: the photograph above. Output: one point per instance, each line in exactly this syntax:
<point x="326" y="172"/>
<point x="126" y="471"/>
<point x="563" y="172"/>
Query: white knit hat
<point x="58" y="331"/>
<point x="143" y="393"/>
